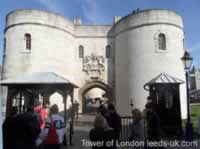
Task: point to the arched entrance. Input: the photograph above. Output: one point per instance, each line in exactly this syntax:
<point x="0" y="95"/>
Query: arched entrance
<point x="94" y="86"/>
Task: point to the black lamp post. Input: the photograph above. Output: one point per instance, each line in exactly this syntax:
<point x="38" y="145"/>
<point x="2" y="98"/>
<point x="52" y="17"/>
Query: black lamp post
<point x="187" y="60"/>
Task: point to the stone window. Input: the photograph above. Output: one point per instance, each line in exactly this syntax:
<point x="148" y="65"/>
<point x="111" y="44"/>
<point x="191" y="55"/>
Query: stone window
<point x="28" y="41"/>
<point x="108" y="51"/>
<point x="162" y="41"/>
<point x="81" y="51"/>
<point x="4" y="46"/>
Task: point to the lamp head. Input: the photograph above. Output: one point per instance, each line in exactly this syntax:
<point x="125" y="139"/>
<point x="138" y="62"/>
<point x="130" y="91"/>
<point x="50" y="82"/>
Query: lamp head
<point x="187" y="60"/>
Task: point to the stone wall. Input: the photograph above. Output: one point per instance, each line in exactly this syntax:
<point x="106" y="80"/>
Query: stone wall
<point x="135" y="59"/>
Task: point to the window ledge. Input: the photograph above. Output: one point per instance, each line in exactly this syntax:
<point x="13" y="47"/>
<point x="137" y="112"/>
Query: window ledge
<point x="161" y="51"/>
<point x="25" y="52"/>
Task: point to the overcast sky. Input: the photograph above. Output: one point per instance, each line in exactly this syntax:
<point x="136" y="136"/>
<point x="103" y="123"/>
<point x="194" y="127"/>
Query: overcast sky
<point x="102" y="12"/>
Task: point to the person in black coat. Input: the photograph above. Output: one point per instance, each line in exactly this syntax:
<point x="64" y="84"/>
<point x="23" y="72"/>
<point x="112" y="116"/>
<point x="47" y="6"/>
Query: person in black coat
<point x="9" y="130"/>
<point x="20" y="131"/>
<point x="114" y="120"/>
<point x="101" y="133"/>
<point x="104" y="112"/>
<point x="153" y="123"/>
<point x="153" y="126"/>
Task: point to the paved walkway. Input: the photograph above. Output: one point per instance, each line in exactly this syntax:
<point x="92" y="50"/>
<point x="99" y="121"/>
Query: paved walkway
<point x="81" y="133"/>
<point x="83" y="126"/>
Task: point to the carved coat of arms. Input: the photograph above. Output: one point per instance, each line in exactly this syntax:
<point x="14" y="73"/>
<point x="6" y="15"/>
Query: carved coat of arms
<point x="94" y="65"/>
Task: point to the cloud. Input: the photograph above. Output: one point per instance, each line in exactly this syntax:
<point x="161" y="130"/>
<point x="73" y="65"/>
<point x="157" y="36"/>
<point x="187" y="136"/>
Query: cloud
<point x="53" y="5"/>
<point x="93" y="12"/>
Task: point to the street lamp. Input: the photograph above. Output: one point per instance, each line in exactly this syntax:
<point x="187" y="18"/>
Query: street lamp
<point x="187" y="60"/>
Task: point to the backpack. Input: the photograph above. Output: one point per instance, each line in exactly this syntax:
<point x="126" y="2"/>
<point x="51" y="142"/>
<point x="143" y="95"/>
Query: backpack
<point x="52" y="137"/>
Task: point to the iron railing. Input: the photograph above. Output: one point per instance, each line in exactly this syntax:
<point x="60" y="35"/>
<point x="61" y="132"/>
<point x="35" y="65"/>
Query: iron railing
<point x="126" y="128"/>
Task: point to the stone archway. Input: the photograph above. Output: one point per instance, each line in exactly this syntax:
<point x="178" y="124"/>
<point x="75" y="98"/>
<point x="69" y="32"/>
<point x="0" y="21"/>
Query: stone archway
<point x="95" y="84"/>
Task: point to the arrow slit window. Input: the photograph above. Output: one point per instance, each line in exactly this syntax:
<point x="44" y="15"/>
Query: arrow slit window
<point x="108" y="51"/>
<point x="81" y="51"/>
<point x="4" y="46"/>
<point x="28" y="41"/>
<point x="162" y="41"/>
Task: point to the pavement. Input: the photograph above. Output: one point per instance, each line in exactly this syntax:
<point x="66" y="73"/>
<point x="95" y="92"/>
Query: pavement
<point x="81" y="136"/>
<point x="81" y="133"/>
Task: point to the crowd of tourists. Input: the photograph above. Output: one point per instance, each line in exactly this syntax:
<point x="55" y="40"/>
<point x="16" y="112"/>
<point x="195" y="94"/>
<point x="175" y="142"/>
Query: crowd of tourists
<point x="107" y="127"/>
<point x="38" y="127"/>
<point x="44" y="128"/>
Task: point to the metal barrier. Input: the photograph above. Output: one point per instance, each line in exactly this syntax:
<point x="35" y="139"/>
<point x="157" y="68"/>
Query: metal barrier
<point x="126" y="128"/>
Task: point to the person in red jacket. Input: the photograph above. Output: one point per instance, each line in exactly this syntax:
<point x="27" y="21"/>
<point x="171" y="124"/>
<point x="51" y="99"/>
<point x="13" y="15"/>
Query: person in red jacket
<point x="41" y="114"/>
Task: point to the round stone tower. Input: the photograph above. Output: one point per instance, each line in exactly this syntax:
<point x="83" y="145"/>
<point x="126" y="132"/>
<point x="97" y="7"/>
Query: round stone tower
<point x="51" y="47"/>
<point x="147" y="43"/>
<point x="41" y="41"/>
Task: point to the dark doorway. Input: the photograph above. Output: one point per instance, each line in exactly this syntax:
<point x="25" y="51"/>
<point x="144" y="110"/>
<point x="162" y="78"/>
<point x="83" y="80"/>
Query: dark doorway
<point x="166" y="101"/>
<point x="165" y="95"/>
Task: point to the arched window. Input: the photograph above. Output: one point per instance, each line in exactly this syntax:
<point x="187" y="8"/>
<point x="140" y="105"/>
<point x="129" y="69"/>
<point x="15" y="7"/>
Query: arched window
<point x="4" y="46"/>
<point x="81" y="51"/>
<point x="28" y="41"/>
<point x="108" y="51"/>
<point x="162" y="41"/>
